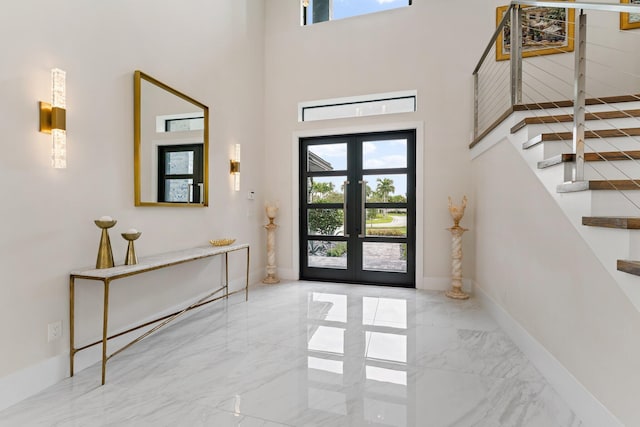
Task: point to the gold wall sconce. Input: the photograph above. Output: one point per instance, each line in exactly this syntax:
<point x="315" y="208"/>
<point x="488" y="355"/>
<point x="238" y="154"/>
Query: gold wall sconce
<point x="234" y="168"/>
<point x="53" y="118"/>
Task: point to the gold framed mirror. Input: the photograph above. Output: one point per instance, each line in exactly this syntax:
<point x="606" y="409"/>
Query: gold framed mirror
<point x="171" y="146"/>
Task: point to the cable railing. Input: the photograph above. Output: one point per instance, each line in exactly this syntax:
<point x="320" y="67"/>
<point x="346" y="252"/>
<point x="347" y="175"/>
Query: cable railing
<point x="596" y="63"/>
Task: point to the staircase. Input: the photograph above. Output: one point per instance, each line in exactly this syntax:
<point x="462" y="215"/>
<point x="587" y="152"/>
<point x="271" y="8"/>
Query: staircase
<point x="607" y="212"/>
<point x="584" y="147"/>
<point x="610" y="201"/>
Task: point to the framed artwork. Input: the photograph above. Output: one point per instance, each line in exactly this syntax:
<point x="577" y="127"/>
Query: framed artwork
<point x="545" y="31"/>
<point x="629" y="21"/>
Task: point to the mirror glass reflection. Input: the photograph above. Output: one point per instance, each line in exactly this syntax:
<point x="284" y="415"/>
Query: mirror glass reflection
<point x="171" y="146"/>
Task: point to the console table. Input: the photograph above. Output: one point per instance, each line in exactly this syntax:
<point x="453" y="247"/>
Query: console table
<point x="145" y="264"/>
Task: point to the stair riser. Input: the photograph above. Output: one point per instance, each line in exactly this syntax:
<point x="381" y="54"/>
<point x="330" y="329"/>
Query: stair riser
<point x="613" y="203"/>
<point x="553" y="148"/>
<point x="623" y="169"/>
<point x="534" y="130"/>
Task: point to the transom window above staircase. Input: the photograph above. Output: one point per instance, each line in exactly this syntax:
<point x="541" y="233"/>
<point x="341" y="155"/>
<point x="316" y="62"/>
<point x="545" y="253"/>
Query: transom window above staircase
<point x="315" y="11"/>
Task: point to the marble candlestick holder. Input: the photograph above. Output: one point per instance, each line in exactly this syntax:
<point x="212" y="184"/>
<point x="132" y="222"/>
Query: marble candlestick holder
<point x="456" y="212"/>
<point x="105" y="253"/>
<point x="131" y="236"/>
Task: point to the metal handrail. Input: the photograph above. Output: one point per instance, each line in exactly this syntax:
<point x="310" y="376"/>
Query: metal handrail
<point x="512" y="14"/>
<point x="611" y="7"/>
<point x="495" y="35"/>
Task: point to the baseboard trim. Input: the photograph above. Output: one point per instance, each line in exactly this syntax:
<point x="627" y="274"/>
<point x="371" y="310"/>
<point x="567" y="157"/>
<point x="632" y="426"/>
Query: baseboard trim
<point x="443" y="284"/>
<point x="589" y="409"/>
<point x="33" y="379"/>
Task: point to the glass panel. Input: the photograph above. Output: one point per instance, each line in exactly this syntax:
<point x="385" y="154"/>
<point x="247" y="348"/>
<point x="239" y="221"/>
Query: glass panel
<point x="325" y="10"/>
<point x="179" y="163"/>
<point x="387" y="222"/>
<point x="384" y="257"/>
<point x="384" y="154"/>
<point x="327" y="157"/>
<point x="179" y="125"/>
<point x="359" y="109"/>
<point x="178" y="190"/>
<point x="327" y="254"/>
<point x="325" y="222"/>
<point x="325" y="189"/>
<point x="386" y="188"/>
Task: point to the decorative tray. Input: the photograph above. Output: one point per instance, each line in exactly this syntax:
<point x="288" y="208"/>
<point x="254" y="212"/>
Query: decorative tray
<point x="222" y="242"/>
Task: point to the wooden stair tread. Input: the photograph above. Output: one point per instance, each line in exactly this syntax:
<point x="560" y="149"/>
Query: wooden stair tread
<point x="623" y="222"/>
<point x="615" y="184"/>
<point x="567" y="103"/>
<point x="565" y="118"/>
<point x="568" y="136"/>
<point x="628" y="266"/>
<point x="590" y="157"/>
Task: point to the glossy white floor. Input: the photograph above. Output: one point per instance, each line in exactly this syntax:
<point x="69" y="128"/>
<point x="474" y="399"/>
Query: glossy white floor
<point x="312" y="354"/>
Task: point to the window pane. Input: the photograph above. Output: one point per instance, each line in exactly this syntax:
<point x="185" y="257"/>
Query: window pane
<point x="390" y="257"/>
<point x="384" y="154"/>
<point x="327" y="157"/>
<point x="325" y="222"/>
<point x="326" y="189"/>
<point x="386" y="222"/>
<point x="360" y="109"/>
<point x="179" y="125"/>
<point x="179" y="163"/>
<point x="324" y="10"/>
<point x="178" y="190"/>
<point x="386" y="188"/>
<point x="327" y="254"/>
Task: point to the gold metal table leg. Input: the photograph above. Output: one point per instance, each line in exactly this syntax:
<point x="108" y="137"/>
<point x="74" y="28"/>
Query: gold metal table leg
<point x="246" y="285"/>
<point x="104" y="329"/>
<point x="226" y="274"/>
<point x="72" y="350"/>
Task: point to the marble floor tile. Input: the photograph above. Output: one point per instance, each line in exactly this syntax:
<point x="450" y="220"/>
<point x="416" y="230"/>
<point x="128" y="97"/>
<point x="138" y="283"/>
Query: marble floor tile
<point x="312" y="354"/>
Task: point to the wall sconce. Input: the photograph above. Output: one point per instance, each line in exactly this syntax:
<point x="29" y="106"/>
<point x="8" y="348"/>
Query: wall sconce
<point x="53" y="118"/>
<point x="234" y="168"/>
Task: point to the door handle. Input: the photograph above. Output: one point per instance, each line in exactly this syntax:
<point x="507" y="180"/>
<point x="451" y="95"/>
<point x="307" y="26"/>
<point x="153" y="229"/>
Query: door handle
<point x="344" y="209"/>
<point x="363" y="211"/>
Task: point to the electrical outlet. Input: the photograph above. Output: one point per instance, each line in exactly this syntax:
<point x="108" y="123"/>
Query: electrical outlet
<point x="54" y="331"/>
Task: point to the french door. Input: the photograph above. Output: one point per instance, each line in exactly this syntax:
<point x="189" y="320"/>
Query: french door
<point x="357" y="208"/>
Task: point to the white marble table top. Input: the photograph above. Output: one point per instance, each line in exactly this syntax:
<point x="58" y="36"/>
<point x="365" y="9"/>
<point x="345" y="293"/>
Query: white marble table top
<point x="154" y="262"/>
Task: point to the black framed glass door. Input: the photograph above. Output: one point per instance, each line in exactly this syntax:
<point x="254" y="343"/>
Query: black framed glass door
<point x="357" y="208"/>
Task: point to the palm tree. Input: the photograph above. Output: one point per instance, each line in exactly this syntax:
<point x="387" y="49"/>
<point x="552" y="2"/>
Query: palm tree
<point x="385" y="188"/>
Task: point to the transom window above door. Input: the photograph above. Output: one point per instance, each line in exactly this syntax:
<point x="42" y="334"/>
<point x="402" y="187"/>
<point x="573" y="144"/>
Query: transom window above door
<point x="315" y="11"/>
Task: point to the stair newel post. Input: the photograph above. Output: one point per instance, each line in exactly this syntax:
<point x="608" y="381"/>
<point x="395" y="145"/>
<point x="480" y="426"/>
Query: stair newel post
<point x="516" y="55"/>
<point x="579" y="96"/>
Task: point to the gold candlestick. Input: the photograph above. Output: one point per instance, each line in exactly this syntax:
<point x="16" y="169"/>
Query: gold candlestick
<point x="105" y="254"/>
<point x="130" y="258"/>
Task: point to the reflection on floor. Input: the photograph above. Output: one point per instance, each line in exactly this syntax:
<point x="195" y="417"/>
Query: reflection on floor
<point x="310" y="354"/>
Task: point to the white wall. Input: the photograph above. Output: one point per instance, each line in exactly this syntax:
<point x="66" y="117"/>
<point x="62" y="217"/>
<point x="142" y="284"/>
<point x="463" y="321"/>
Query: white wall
<point x="213" y="51"/>
<point x="419" y="47"/>
<point x="533" y="263"/>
